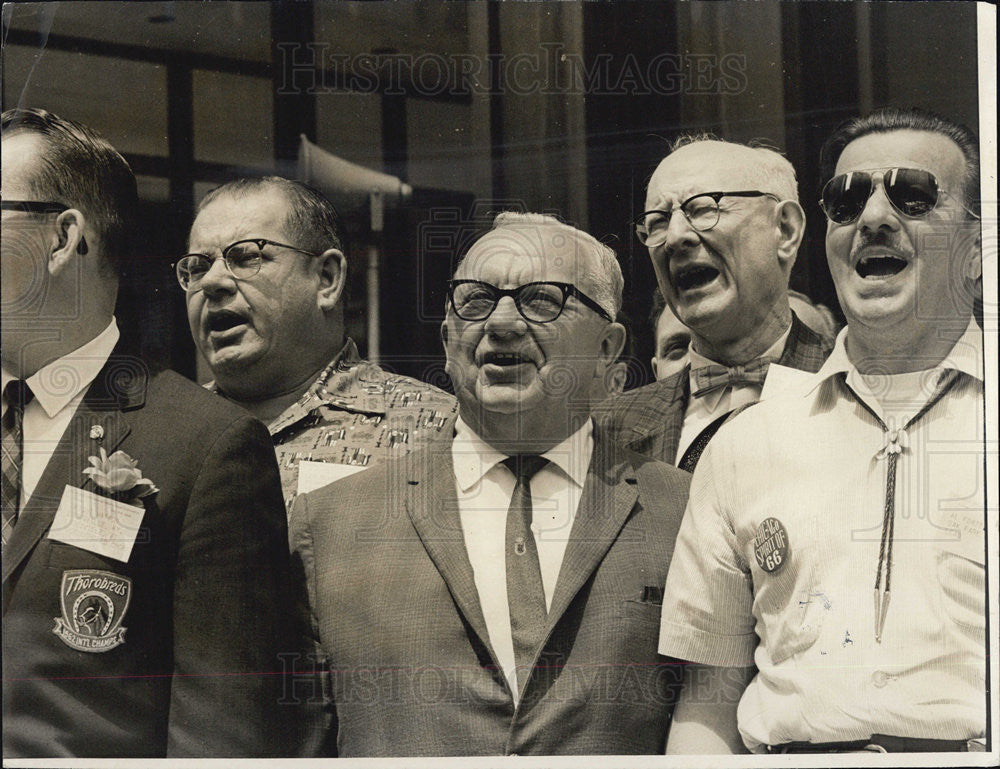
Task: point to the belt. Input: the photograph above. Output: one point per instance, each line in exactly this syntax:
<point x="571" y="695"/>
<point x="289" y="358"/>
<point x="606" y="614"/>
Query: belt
<point x="883" y="743"/>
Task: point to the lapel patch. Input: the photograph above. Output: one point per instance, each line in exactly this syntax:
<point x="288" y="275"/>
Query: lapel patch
<point x="93" y="607"/>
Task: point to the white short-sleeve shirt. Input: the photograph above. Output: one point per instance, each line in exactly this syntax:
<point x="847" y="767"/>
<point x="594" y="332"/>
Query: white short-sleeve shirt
<point x="813" y="461"/>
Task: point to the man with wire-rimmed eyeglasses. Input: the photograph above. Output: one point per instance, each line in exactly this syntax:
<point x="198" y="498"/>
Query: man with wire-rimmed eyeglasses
<point x="828" y="587"/>
<point x="264" y="283"/>
<point x="722" y="225"/>
<point x="519" y="567"/>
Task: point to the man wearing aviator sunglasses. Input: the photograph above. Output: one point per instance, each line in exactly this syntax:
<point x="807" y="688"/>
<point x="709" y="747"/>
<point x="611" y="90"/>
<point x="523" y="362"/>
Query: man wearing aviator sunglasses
<point x="836" y="536"/>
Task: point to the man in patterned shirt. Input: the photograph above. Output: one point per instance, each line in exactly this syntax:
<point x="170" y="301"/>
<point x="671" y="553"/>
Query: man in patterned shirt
<point x="264" y="280"/>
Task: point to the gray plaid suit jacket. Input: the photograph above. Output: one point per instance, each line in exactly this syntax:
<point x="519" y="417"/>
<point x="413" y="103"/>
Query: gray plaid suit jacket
<point x="397" y="615"/>
<point x="649" y="419"/>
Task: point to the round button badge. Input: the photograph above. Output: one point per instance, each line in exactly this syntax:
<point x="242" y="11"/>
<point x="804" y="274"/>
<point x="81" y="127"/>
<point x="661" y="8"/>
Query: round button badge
<point x="770" y="545"/>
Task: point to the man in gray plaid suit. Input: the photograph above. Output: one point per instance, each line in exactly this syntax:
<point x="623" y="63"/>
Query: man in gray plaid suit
<point x="723" y="266"/>
<point x="499" y="595"/>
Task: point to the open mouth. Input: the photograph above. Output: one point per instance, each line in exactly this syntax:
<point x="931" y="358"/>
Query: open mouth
<point x="224" y="320"/>
<point x="694" y="276"/>
<point x="880" y="266"/>
<point x="505" y="359"/>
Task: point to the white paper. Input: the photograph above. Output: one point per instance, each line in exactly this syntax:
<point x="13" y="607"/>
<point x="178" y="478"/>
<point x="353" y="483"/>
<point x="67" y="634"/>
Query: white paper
<point x="95" y="523"/>
<point x="315" y="475"/>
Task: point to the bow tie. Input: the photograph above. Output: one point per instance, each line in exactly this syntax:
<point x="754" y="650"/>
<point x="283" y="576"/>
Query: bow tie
<point x="714" y="377"/>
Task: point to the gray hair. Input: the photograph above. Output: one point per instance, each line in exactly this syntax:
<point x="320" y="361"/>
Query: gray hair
<point x="777" y="174"/>
<point x="603" y="275"/>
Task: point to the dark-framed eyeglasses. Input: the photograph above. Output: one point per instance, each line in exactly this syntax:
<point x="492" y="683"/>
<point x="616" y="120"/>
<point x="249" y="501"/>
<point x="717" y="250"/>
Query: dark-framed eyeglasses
<point x="242" y="259"/>
<point x="33" y="206"/>
<point x="701" y="211"/>
<point x="913" y="192"/>
<point x="538" y="302"/>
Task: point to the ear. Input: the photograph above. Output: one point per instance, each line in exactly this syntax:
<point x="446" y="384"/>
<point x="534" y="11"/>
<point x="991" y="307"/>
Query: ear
<point x="444" y="334"/>
<point x="333" y="278"/>
<point x="68" y="242"/>
<point x="612" y="344"/>
<point x="976" y="257"/>
<point x="653" y="363"/>
<point x="791" y="229"/>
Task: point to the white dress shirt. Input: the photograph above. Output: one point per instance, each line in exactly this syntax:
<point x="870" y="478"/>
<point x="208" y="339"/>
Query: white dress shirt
<point x="484" y="487"/>
<point x="58" y="388"/>
<point x="702" y="411"/>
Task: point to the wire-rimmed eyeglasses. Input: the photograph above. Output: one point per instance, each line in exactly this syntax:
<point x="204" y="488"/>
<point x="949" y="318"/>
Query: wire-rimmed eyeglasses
<point x="701" y="211"/>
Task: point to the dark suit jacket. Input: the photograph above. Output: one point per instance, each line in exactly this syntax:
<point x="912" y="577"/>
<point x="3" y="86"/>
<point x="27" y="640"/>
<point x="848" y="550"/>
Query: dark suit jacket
<point x="206" y="583"/>
<point x="649" y="419"/>
<point x="398" y="615"/>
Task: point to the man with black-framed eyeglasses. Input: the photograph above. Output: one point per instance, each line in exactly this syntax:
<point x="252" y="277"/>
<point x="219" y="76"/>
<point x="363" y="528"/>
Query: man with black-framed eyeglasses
<point x="722" y="225"/>
<point x="146" y="580"/>
<point x="519" y="564"/>
<point x="264" y="284"/>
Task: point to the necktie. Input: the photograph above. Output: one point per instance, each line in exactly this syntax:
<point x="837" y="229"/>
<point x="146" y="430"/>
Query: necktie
<point x="896" y="442"/>
<point x="525" y="594"/>
<point x="715" y="377"/>
<point x="18" y="395"/>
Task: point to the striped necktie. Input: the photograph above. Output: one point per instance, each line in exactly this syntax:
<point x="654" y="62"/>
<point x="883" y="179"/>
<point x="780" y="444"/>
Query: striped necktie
<point x="18" y="395"/>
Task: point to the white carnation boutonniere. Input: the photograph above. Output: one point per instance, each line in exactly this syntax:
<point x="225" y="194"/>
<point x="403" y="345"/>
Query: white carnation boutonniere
<point x="119" y="475"/>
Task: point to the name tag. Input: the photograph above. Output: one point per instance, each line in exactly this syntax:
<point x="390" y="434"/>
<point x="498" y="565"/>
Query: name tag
<point x="316" y="475"/>
<point x="97" y="524"/>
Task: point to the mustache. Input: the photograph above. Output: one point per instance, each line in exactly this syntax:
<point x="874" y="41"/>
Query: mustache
<point x="881" y="239"/>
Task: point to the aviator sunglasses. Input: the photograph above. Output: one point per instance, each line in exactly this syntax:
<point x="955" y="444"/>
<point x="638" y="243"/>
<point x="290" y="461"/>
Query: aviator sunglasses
<point x="911" y="191"/>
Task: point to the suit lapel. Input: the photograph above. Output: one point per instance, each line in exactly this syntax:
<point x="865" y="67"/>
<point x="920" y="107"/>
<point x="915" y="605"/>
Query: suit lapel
<point x="432" y="505"/>
<point x="609" y="494"/>
<point x="657" y="432"/>
<point x="102" y="405"/>
<point x="805" y="349"/>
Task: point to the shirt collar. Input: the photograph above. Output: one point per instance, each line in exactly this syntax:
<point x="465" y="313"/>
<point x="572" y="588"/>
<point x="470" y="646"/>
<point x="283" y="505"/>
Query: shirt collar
<point x="966" y="356"/>
<point x="473" y="457"/>
<point x="56" y="384"/>
<point x="347" y="383"/>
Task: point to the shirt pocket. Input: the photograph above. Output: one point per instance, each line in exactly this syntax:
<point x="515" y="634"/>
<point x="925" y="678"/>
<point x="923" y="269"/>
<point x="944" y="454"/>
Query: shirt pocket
<point x="961" y="573"/>
<point x="647" y="608"/>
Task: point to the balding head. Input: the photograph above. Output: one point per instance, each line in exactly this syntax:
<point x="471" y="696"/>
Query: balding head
<point x="723" y="226"/>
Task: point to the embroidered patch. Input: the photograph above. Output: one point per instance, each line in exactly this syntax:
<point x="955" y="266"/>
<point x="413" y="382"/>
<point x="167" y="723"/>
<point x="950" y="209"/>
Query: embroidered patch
<point x="770" y="545"/>
<point x="93" y="607"/>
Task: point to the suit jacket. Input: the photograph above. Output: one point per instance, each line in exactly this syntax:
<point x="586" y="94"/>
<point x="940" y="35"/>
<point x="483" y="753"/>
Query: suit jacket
<point x="198" y="614"/>
<point x="649" y="419"/>
<point x="398" y="616"/>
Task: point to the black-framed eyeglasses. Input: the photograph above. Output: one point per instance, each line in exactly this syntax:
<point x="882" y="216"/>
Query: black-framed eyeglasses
<point x="913" y="192"/>
<point x="538" y="302"/>
<point x="701" y="211"/>
<point x="33" y="206"/>
<point x="242" y="259"/>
